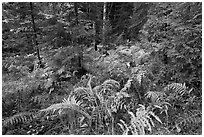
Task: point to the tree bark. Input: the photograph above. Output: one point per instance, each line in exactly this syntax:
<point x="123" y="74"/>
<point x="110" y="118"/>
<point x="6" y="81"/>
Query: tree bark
<point x="76" y="12"/>
<point x="96" y="31"/>
<point x="104" y="23"/>
<point x="35" y="34"/>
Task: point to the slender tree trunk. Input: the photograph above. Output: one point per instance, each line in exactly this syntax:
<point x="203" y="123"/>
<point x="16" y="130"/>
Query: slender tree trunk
<point x="96" y="31"/>
<point x="94" y="26"/>
<point x="94" y="42"/>
<point x="35" y="34"/>
<point x="80" y="58"/>
<point x="104" y="23"/>
<point x="76" y="12"/>
<point x="54" y="8"/>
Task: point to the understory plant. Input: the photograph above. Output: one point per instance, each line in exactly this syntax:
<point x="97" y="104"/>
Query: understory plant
<point x="178" y="107"/>
<point x="103" y="109"/>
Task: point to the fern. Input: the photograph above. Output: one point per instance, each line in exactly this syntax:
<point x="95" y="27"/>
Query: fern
<point x="177" y="94"/>
<point x="84" y="95"/>
<point x="83" y="81"/>
<point x="119" y="101"/>
<point x="175" y="101"/>
<point x="127" y="85"/>
<point x="140" y="122"/>
<point x="39" y="99"/>
<point x="101" y="118"/>
<point x="146" y="113"/>
<point x="177" y="88"/>
<point x="155" y="96"/>
<point x="71" y="104"/>
<point x="140" y="75"/>
<point x="19" y="118"/>
<point x="111" y="85"/>
<point x="99" y="104"/>
<point x="158" y="100"/>
<point x="107" y="89"/>
<point x="90" y="103"/>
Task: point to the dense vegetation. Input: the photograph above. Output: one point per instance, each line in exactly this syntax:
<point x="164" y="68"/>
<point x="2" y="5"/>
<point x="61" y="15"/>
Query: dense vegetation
<point x="101" y="68"/>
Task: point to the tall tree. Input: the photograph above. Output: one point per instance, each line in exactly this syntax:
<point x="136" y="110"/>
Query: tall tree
<point x="76" y="12"/>
<point x="35" y="33"/>
<point x="104" y="23"/>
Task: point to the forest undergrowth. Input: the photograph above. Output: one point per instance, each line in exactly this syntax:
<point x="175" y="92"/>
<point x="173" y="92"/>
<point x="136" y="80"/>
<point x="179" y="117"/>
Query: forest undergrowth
<point x="143" y="80"/>
<point x="118" y="97"/>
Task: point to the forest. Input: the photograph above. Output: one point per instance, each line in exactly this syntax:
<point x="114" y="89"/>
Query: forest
<point x="101" y="68"/>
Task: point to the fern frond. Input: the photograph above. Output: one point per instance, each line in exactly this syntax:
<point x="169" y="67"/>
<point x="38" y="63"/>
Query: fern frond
<point x="127" y="85"/>
<point x="118" y="101"/>
<point x="137" y="124"/>
<point x="19" y="118"/>
<point x="101" y="118"/>
<point x="124" y="127"/>
<point x="87" y="97"/>
<point x="121" y="104"/>
<point x="83" y="81"/>
<point x="147" y="113"/>
<point x="108" y="88"/>
<point x="66" y="104"/>
<point x="140" y="122"/>
<point x="178" y="88"/>
<point x="140" y="75"/>
<point x="154" y="116"/>
<point x="122" y="94"/>
<point x="155" y="96"/>
<point x="39" y="99"/>
<point x="110" y="83"/>
<point x="82" y="93"/>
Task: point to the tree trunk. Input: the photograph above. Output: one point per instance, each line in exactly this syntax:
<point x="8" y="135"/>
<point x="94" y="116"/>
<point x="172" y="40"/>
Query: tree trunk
<point x="97" y="33"/>
<point x="104" y="23"/>
<point x="35" y="34"/>
<point x="76" y="12"/>
<point x="94" y="40"/>
<point x="80" y="58"/>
